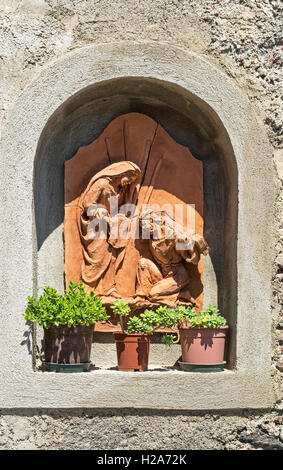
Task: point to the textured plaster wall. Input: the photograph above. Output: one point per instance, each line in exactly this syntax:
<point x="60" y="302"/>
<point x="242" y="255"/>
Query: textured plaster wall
<point x="243" y="39"/>
<point x="116" y="430"/>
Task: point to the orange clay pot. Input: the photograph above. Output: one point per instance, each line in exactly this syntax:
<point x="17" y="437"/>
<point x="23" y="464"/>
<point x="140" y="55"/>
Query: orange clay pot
<point x="203" y="345"/>
<point x="132" y="351"/>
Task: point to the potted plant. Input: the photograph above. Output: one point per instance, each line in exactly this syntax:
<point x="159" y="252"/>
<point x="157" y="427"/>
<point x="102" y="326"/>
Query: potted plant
<point x="68" y="321"/>
<point x="202" y="337"/>
<point x="132" y="343"/>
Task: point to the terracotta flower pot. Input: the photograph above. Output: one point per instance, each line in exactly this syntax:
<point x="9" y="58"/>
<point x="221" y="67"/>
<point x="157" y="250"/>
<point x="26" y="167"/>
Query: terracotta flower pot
<point x="132" y="351"/>
<point x="203" y="345"/>
<point x="68" y="345"/>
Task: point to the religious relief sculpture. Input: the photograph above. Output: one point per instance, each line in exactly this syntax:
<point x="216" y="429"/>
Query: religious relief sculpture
<point x="130" y="198"/>
<point x="166" y="279"/>
<point x="101" y="254"/>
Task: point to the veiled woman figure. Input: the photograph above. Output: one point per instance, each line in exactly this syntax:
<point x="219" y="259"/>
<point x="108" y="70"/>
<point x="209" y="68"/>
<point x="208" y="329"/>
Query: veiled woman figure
<point x="101" y="254"/>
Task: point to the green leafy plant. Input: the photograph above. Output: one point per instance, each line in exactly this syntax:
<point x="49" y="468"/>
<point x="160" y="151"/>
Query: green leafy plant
<point x="165" y="317"/>
<point x="148" y="321"/>
<point x="208" y="318"/>
<point x="207" y="321"/>
<point x="121" y="310"/>
<point x="211" y="310"/>
<point x="169" y="339"/>
<point x="75" y="307"/>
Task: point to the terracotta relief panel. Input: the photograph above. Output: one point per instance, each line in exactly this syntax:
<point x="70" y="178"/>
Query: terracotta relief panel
<point x="152" y="180"/>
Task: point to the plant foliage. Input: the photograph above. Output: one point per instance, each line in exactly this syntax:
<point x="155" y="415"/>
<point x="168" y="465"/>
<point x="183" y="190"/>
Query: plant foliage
<point x="148" y="321"/>
<point x="121" y="309"/>
<point x="165" y="317"/>
<point x="208" y="318"/>
<point x="75" y="307"/>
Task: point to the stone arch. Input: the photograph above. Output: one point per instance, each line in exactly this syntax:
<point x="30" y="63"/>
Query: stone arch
<point x="170" y="79"/>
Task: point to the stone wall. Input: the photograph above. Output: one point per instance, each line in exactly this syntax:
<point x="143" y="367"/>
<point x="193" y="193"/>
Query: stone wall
<point x="240" y="37"/>
<point x="118" y="430"/>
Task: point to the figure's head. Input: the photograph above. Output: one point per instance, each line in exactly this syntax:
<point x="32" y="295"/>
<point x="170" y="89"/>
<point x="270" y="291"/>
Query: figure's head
<point x="128" y="173"/>
<point x="130" y="178"/>
<point x="124" y="172"/>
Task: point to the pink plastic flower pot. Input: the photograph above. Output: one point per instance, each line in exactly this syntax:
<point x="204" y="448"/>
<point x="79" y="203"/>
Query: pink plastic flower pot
<point x="203" y="345"/>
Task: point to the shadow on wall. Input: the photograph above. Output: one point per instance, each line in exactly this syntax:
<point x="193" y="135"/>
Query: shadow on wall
<point x="188" y="120"/>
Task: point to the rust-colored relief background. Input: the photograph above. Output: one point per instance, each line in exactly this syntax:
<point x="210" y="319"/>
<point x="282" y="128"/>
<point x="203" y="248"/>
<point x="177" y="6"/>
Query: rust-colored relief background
<point x="169" y="174"/>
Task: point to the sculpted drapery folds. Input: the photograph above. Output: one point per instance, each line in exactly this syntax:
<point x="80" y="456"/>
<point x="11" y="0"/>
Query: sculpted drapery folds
<point x="162" y="279"/>
<point x="101" y="254"/>
<point x="135" y="161"/>
<point x="166" y="279"/>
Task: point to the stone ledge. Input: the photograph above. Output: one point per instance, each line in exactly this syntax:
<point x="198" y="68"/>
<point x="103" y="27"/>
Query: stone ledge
<point x="154" y="389"/>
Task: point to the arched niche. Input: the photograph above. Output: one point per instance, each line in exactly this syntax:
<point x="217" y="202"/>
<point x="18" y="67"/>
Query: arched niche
<point x="191" y="122"/>
<point x="32" y="251"/>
